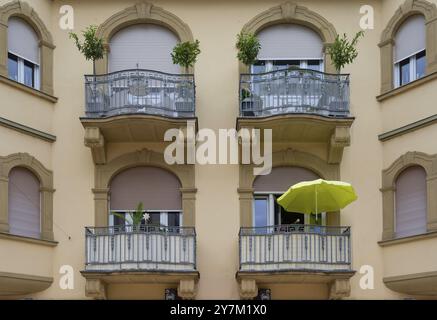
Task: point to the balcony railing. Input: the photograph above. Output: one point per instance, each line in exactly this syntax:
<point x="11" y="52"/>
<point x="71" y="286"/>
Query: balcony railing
<point x="140" y="248"/>
<point x="140" y="92"/>
<point x="295" y="248"/>
<point x="294" y="91"/>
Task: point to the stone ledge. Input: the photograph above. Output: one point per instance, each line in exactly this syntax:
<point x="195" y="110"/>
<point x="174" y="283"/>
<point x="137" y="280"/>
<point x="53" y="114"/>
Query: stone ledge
<point x="29" y="90"/>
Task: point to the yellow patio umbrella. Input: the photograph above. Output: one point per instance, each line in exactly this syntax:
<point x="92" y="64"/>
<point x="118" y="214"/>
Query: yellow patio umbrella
<point x="317" y="196"/>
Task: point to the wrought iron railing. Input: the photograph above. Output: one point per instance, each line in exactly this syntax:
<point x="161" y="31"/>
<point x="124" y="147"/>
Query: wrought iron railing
<point x="140" y="92"/>
<point x="295" y="247"/>
<point x="294" y="91"/>
<point x="144" y="247"/>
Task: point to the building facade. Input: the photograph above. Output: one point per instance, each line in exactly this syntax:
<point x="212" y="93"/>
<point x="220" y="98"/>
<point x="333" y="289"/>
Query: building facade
<point x="78" y="151"/>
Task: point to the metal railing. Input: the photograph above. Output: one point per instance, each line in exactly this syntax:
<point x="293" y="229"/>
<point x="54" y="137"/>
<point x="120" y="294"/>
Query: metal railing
<point x="295" y="247"/>
<point x="144" y="247"/>
<point x="140" y="92"/>
<point x="294" y="91"/>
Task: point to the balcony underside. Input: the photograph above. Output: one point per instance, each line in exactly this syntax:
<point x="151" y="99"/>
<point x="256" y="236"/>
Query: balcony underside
<point x="20" y="284"/>
<point x="424" y="283"/>
<point x="337" y="281"/>
<point x="98" y="281"/>
<point x="128" y="128"/>
<point x="307" y="128"/>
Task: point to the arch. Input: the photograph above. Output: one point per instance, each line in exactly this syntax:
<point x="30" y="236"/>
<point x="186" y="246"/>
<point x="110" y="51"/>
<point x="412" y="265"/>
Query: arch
<point x="289" y="12"/>
<point x="283" y="158"/>
<point x="24" y="11"/>
<point x="143" y="12"/>
<point x="388" y="189"/>
<point x="406" y="10"/>
<point x="105" y="173"/>
<point x="45" y="177"/>
<point x="282" y="177"/>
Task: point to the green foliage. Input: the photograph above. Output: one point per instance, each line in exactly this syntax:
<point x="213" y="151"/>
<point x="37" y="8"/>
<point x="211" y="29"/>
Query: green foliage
<point x="248" y="48"/>
<point x="136" y="216"/>
<point x="185" y="53"/>
<point x="343" y="51"/>
<point x="92" y="46"/>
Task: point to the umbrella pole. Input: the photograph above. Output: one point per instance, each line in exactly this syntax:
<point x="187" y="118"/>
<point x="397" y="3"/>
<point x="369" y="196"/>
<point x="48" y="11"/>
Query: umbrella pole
<point x="316" y="205"/>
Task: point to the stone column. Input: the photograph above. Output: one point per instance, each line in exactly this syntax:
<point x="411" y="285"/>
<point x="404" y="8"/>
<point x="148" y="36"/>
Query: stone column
<point x="431" y="46"/>
<point x="47" y="213"/>
<point x="388" y="194"/>
<point x="431" y="186"/>
<point x="101" y="207"/>
<point x="329" y="66"/>
<point x="4" y="216"/>
<point x="246" y="205"/>
<point x="386" y="65"/>
<point x="46" y="52"/>
<point x="189" y="206"/>
<point x="3" y="50"/>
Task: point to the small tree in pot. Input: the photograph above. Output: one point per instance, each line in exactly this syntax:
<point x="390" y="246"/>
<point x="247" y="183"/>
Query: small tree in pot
<point x="185" y="54"/>
<point x="343" y="51"/>
<point x="248" y="47"/>
<point x="136" y="217"/>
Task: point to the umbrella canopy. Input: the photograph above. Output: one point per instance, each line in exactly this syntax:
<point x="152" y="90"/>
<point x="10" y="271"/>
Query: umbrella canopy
<point x="317" y="196"/>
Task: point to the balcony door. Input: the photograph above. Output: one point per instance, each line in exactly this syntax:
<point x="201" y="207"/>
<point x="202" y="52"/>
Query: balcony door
<point x="156" y="188"/>
<point x="266" y="210"/>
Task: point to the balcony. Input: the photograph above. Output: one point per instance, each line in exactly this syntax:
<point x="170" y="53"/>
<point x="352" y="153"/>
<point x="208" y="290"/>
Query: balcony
<point x="135" y="106"/>
<point x="295" y="254"/>
<point x="140" y="255"/>
<point x="299" y="105"/>
<point x="140" y="92"/>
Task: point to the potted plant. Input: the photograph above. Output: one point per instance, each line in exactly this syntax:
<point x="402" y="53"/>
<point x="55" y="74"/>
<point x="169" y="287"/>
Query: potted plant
<point x="343" y="52"/>
<point x="248" y="47"/>
<point x="136" y="217"/>
<point x="92" y="48"/>
<point x="185" y="55"/>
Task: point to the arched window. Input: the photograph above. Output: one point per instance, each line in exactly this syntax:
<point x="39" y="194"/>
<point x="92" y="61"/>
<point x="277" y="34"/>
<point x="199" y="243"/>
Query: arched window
<point x="268" y="188"/>
<point x="410" y="51"/>
<point x="411" y="201"/>
<point x="24" y="203"/>
<point x="157" y="189"/>
<point x="143" y="46"/>
<point x="23" y="53"/>
<point x="287" y="45"/>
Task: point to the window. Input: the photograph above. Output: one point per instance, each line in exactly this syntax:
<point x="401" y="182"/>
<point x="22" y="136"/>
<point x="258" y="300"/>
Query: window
<point x="143" y="46"/>
<point x="410" y="52"/>
<point x="23" y="53"/>
<point x="24" y="203"/>
<point x="157" y="189"/>
<point x="288" y="45"/>
<point x="410" y="218"/>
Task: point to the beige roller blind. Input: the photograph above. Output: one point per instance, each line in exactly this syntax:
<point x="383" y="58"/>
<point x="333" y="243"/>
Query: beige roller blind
<point x="156" y="188"/>
<point x="22" y="40"/>
<point x="147" y="46"/>
<point x="410" y="38"/>
<point x="24" y="203"/>
<point x="281" y="178"/>
<point x="289" y="41"/>
<point x="411" y="202"/>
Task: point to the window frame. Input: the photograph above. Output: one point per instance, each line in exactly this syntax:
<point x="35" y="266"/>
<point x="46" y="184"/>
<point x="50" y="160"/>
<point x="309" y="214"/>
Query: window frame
<point x="163" y="216"/>
<point x="412" y="63"/>
<point x="21" y="61"/>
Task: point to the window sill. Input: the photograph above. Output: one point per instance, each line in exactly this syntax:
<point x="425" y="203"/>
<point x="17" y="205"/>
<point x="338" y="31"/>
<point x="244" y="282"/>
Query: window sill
<point x="407" y="87"/>
<point x="394" y="241"/>
<point x="8" y="236"/>
<point x="27" y="89"/>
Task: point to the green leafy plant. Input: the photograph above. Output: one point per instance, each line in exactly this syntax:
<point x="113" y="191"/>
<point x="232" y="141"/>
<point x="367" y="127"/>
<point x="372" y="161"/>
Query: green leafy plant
<point x="248" y="47"/>
<point x="137" y="216"/>
<point x="185" y="54"/>
<point x="343" y="51"/>
<point x="92" y="46"/>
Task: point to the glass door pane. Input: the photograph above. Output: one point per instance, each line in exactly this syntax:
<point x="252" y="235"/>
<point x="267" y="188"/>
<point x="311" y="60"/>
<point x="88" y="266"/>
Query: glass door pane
<point x="261" y="213"/>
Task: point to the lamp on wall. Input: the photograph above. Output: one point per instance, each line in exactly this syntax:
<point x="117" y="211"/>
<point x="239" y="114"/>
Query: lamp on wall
<point x="171" y="294"/>
<point x="264" y="294"/>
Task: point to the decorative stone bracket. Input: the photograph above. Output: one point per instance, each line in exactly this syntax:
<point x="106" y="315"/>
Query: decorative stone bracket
<point x="339" y="140"/>
<point x="94" y="139"/>
<point x="339" y="288"/>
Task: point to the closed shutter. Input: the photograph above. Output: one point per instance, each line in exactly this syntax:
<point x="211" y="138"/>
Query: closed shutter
<point x="24" y="203"/>
<point x="411" y="202"/>
<point x="145" y="46"/>
<point x="282" y="178"/>
<point x="410" y="38"/>
<point x="289" y="41"/>
<point x="156" y="188"/>
<point x="22" y="40"/>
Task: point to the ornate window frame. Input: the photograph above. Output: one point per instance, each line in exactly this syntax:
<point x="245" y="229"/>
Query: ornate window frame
<point x="406" y="10"/>
<point x="283" y="158"/>
<point x="289" y="12"/>
<point x="139" y="13"/>
<point x="24" y="11"/>
<point x="105" y="172"/>
<point x="45" y="177"/>
<point x="388" y="190"/>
